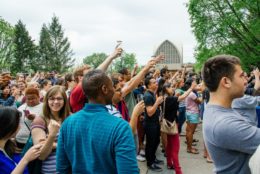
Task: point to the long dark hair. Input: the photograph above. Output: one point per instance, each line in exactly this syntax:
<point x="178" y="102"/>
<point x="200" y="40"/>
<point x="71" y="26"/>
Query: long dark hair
<point x="2" y="87"/>
<point x="10" y="119"/>
<point x="160" y="86"/>
<point x="164" y="88"/>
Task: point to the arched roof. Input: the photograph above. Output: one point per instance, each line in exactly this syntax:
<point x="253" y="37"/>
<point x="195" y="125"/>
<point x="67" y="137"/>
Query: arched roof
<point x="172" y="54"/>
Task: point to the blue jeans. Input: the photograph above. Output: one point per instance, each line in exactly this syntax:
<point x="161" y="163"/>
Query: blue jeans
<point x="258" y="115"/>
<point x="181" y="118"/>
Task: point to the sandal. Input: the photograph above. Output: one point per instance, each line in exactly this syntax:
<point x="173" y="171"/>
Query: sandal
<point x="193" y="151"/>
<point x="209" y="160"/>
<point x="195" y="140"/>
<point x="193" y="143"/>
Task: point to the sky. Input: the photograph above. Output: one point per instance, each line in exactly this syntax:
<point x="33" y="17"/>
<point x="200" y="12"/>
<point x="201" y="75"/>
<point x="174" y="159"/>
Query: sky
<point x="94" y="26"/>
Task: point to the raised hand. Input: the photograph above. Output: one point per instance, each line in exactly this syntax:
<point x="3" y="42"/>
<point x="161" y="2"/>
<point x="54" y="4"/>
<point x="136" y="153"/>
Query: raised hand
<point x="159" y="58"/>
<point x="16" y="92"/>
<point x="193" y="85"/>
<point x="159" y="100"/>
<point x="53" y="128"/>
<point x="30" y="116"/>
<point x="256" y="73"/>
<point x="139" y="108"/>
<point x="118" y="52"/>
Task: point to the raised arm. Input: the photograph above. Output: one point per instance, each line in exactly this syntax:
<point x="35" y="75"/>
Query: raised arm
<point x="36" y="77"/>
<point x="183" y="72"/>
<point x="183" y="96"/>
<point x="152" y="109"/>
<point x="103" y="66"/>
<point x="174" y="77"/>
<point x="134" y="82"/>
<point x="39" y="136"/>
<point x="134" y="71"/>
<point x="138" y="110"/>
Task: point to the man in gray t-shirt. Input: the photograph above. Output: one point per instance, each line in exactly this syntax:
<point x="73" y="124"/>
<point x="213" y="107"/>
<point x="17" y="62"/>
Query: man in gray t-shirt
<point x="229" y="137"/>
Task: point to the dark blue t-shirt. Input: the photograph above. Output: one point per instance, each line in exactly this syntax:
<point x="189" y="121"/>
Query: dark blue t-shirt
<point x="149" y="100"/>
<point x="7" y="165"/>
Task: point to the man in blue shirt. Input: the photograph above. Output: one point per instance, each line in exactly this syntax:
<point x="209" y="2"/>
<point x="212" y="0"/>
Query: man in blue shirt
<point x="92" y="140"/>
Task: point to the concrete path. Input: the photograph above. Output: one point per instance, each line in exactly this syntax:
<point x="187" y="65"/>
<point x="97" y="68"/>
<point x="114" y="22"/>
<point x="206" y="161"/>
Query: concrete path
<point x="190" y="163"/>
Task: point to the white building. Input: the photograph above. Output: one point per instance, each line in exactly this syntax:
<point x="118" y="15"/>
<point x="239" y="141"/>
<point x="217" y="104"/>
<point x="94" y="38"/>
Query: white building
<point x="173" y="55"/>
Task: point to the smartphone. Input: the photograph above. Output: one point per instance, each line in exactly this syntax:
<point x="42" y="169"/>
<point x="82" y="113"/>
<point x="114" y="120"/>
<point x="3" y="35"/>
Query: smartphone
<point x="140" y="97"/>
<point x="26" y="112"/>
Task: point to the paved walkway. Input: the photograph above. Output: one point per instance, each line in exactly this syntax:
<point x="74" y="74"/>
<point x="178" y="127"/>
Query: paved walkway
<point x="190" y="163"/>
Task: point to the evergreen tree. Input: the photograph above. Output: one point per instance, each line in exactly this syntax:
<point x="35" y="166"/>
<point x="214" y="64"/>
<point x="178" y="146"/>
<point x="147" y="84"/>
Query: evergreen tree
<point x="24" y="52"/>
<point x="61" y="54"/>
<point x="45" y="50"/>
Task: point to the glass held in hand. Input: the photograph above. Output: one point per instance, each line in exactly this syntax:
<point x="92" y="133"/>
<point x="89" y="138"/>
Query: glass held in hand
<point x="119" y="43"/>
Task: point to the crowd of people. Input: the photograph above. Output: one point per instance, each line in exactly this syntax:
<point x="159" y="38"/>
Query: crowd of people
<point x="89" y="121"/>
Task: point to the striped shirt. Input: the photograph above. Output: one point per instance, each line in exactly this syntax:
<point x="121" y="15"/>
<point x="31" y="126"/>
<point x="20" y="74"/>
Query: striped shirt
<point x="113" y="111"/>
<point x="49" y="164"/>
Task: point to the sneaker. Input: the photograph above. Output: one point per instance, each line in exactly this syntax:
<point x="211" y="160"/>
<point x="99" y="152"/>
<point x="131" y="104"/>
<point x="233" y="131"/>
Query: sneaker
<point x="140" y="158"/>
<point x="142" y="152"/>
<point x="155" y="168"/>
<point x="156" y="161"/>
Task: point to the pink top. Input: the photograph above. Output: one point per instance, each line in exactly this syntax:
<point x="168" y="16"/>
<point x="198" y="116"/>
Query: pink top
<point x="191" y="106"/>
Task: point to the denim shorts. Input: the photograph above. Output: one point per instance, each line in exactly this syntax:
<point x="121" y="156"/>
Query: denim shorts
<point x="192" y="118"/>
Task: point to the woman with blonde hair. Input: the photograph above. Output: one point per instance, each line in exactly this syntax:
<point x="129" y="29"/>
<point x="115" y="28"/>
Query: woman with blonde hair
<point x="45" y="129"/>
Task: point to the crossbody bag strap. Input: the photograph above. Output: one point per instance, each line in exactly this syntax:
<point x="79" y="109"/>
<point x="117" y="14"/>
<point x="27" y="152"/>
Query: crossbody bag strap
<point x="163" y="106"/>
<point x="25" y="121"/>
<point x="26" y="125"/>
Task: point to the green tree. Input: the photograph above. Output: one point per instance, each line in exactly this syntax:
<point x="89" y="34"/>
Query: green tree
<point x="95" y="59"/>
<point x="127" y="60"/>
<point x="61" y="54"/>
<point x="45" y="50"/>
<point x="24" y="51"/>
<point x="226" y="26"/>
<point x="6" y="44"/>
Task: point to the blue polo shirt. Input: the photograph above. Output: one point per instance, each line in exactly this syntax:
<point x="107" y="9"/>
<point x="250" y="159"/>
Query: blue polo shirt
<point x="93" y="141"/>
